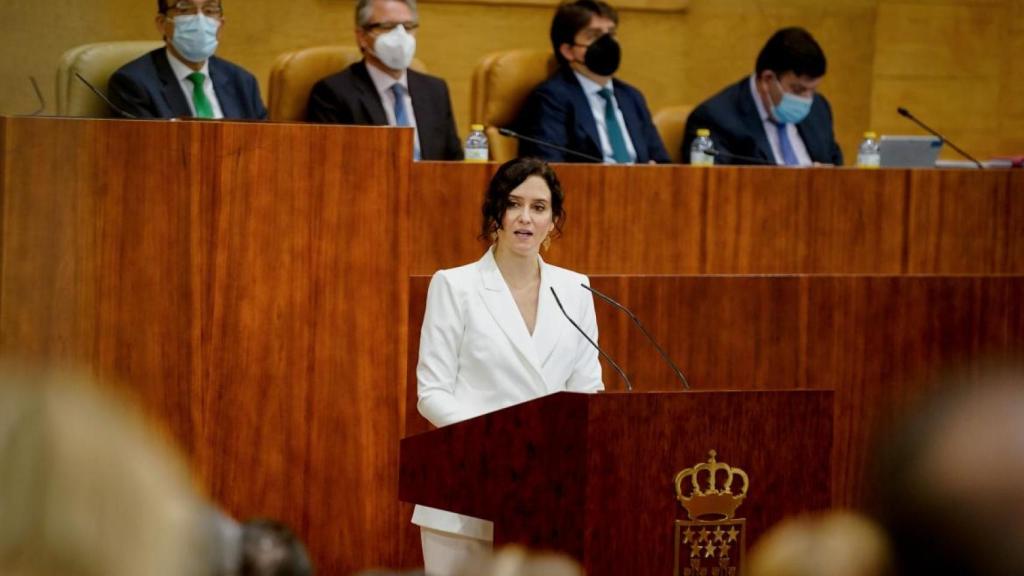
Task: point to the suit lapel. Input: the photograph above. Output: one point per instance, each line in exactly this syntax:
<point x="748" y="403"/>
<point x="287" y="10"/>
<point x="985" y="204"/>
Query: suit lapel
<point x="225" y="90"/>
<point x="550" y="320"/>
<point x="815" y="148"/>
<point x="753" y="121"/>
<point x="172" y="93"/>
<point x="581" y="108"/>
<point x="502" y="307"/>
<point x="368" y="96"/>
<point x="426" y="116"/>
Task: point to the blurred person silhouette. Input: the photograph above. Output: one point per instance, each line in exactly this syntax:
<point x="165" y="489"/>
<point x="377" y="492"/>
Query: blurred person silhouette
<point x="948" y="482"/>
<point x="269" y="548"/>
<point x="837" y="543"/>
<point x="518" y="561"/>
<point x="87" y="487"/>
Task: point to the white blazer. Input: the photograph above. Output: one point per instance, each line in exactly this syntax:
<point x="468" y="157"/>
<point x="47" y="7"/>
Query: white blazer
<point x="477" y="356"/>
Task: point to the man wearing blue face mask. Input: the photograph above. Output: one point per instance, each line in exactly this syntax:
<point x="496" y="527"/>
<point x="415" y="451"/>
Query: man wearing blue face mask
<point x="185" y="79"/>
<point x="774" y="115"/>
<point x="382" y="90"/>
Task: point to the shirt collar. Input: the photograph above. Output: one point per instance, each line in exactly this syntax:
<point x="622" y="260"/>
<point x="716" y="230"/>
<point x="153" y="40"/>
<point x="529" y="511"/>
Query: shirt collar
<point x="383" y="81"/>
<point x="765" y="116"/>
<point x="182" y="71"/>
<point x="590" y="87"/>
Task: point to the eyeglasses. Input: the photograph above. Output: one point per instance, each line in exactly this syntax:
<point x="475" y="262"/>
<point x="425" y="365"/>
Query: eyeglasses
<point x="190" y="9"/>
<point x="389" y="26"/>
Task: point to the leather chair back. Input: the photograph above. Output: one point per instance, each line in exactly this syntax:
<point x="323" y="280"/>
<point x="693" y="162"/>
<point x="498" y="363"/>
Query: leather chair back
<point x="671" y="122"/>
<point x="501" y="83"/>
<point x="294" y="73"/>
<point x="96" y="63"/>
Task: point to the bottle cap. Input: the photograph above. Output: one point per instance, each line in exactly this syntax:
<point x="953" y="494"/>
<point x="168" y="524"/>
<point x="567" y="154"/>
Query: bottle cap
<point x="871" y="135"/>
<point x="477" y="127"/>
<point x="703" y="132"/>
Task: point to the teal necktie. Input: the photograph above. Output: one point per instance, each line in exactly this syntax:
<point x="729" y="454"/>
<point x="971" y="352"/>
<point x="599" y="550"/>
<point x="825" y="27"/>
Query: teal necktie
<point x="202" y="104"/>
<point x="611" y="124"/>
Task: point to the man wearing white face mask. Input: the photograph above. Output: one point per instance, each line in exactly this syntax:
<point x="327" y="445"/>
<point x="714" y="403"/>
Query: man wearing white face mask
<point x="381" y="90"/>
<point x="776" y="114"/>
<point x="185" y="79"/>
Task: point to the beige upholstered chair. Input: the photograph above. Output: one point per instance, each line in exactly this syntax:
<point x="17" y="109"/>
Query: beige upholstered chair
<point x="96" y="63"/>
<point x="501" y="83"/>
<point x="671" y="122"/>
<point x="294" y="73"/>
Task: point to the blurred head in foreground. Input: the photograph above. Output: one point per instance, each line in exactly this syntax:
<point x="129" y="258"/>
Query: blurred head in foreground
<point x="949" y="482"/>
<point x="86" y="487"/>
<point x="517" y="561"/>
<point x="837" y="543"/>
<point x="269" y="548"/>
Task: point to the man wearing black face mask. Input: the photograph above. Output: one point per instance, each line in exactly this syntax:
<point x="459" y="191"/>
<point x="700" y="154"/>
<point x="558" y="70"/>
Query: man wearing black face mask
<point x="582" y="107"/>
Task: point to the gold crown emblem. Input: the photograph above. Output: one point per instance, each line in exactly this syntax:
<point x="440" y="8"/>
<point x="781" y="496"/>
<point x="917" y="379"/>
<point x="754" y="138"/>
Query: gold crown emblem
<point x="708" y="501"/>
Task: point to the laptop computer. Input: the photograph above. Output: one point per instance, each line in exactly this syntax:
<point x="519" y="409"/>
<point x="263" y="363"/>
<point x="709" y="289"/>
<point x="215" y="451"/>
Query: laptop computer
<point x="909" y="151"/>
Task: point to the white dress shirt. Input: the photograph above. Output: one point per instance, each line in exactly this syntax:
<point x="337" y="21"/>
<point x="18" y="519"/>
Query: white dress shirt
<point x="773" y="132"/>
<point x="477" y="356"/>
<point x="182" y="71"/>
<point x="383" y="83"/>
<point x="597" y="108"/>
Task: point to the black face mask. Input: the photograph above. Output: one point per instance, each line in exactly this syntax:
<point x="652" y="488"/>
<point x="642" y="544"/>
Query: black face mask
<point x="603" y="56"/>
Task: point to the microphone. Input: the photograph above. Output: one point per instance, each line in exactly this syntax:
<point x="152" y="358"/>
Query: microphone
<point x="39" y="96"/>
<point x="103" y="97"/>
<point x="906" y="114"/>
<point x="748" y="159"/>
<point x="518" y="136"/>
<point x="629" y="385"/>
<point x="610" y="300"/>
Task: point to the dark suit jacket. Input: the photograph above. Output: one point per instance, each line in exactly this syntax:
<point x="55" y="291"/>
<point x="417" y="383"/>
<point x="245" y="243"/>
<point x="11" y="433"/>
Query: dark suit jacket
<point x="557" y="111"/>
<point x="349" y="97"/>
<point x="736" y="127"/>
<point x="147" y="88"/>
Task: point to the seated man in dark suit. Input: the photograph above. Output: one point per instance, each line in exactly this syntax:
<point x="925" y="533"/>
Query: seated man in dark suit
<point x="381" y="90"/>
<point x="581" y="107"/>
<point x="185" y="78"/>
<point x="774" y="115"/>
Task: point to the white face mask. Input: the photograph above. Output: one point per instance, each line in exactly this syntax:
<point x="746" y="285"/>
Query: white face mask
<point x="395" y="48"/>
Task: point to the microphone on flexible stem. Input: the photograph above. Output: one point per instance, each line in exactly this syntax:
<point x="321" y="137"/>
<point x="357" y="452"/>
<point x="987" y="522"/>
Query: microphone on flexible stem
<point x="906" y="114"/>
<point x="610" y="300"/>
<point x="518" y="136"/>
<point x="629" y="385"/>
<point x="103" y="97"/>
<point x="749" y="159"/>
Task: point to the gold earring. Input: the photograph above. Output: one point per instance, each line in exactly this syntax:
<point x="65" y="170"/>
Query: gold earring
<point x="546" y="243"/>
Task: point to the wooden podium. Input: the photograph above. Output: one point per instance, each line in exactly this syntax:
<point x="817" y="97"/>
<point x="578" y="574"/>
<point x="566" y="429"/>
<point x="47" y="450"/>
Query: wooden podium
<point x="593" y="475"/>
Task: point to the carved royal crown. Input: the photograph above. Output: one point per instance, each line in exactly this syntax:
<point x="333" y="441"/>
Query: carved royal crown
<point x="697" y="489"/>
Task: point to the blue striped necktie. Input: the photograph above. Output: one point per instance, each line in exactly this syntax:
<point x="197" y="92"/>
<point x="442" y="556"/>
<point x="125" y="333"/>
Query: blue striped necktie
<point x="788" y="154"/>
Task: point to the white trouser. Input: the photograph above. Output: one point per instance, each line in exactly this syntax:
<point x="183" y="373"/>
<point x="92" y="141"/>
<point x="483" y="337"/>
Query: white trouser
<point x="444" y="553"/>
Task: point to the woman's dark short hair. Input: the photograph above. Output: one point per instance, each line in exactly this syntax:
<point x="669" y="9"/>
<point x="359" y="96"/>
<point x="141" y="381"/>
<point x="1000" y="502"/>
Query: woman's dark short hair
<point x="573" y="16"/>
<point x="509" y="176"/>
<point x="792" y="50"/>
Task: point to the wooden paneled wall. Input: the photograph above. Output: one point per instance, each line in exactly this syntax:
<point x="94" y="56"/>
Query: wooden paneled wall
<point x="251" y="299"/>
<point x="951" y="61"/>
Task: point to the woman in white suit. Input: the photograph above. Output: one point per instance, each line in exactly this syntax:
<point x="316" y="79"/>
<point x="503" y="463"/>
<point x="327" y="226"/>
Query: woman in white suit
<point x="493" y="335"/>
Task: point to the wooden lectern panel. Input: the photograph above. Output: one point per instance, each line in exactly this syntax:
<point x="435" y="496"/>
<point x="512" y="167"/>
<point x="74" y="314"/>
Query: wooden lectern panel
<point x="247" y="281"/>
<point x="593" y="475"/>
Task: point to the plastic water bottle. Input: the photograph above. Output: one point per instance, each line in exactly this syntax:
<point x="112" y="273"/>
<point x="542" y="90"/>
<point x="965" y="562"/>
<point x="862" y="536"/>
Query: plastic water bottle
<point x="476" y="144"/>
<point x="868" y="156"/>
<point x="698" y="156"/>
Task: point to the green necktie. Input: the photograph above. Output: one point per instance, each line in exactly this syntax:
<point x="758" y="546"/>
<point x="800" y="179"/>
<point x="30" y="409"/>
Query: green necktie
<point x="203" y="107"/>
<point x="611" y="124"/>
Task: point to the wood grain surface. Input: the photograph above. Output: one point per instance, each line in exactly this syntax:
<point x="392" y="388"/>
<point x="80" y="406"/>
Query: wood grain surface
<point x="730" y="220"/>
<point x="592" y="475"/>
<point x="247" y="282"/>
